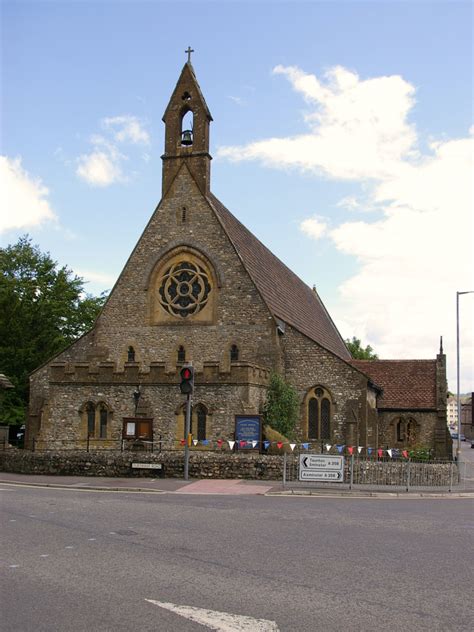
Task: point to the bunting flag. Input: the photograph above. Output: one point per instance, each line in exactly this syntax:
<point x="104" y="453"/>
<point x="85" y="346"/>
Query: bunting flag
<point x="280" y="444"/>
<point x="231" y="444"/>
<point x="328" y="447"/>
<point x="195" y="441"/>
<point x="340" y="448"/>
<point x="350" y="449"/>
<point x="369" y="451"/>
<point x="380" y="452"/>
<point x="305" y="446"/>
<point x="242" y="444"/>
<point x="254" y="444"/>
<point x="390" y="452"/>
<point x="205" y="442"/>
<point x="266" y="445"/>
<point x="359" y="449"/>
<point x="182" y="441"/>
<point x="405" y="454"/>
<point x="219" y="443"/>
<point x="292" y="446"/>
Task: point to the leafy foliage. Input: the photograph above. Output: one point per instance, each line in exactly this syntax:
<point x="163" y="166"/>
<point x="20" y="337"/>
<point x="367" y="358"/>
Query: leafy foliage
<point x="43" y="308"/>
<point x="358" y="352"/>
<point x="281" y="407"/>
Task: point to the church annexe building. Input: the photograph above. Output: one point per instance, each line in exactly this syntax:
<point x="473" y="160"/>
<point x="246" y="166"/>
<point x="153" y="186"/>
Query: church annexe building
<point x="200" y="287"/>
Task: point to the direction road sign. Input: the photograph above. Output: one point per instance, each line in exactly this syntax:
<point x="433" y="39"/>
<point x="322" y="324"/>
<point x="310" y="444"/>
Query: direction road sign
<point x="321" y="467"/>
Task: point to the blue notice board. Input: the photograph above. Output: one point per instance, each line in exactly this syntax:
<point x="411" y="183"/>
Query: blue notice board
<point x="248" y="428"/>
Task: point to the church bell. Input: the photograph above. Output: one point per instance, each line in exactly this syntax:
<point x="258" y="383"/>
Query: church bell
<point x="187" y="137"/>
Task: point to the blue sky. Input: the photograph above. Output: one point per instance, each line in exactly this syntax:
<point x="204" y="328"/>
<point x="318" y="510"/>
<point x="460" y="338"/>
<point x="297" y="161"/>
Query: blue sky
<point x="341" y="137"/>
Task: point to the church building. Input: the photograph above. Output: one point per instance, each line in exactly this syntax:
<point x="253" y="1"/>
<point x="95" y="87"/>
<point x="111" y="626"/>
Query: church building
<point x="199" y="287"/>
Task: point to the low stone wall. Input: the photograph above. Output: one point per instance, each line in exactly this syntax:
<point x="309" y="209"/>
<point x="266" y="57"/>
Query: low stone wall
<point x="201" y="465"/>
<point x="219" y="465"/>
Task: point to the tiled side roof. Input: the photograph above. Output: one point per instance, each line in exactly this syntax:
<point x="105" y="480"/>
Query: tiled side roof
<point x="286" y="295"/>
<point x="407" y="384"/>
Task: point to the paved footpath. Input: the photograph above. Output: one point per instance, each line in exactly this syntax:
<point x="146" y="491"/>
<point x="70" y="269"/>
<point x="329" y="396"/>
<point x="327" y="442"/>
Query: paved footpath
<point x="210" y="486"/>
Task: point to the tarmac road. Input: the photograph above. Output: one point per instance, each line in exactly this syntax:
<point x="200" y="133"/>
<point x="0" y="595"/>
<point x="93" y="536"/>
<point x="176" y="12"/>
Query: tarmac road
<point x="101" y="561"/>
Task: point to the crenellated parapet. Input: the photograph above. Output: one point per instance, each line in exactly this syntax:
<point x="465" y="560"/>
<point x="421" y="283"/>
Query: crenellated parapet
<point x="156" y="373"/>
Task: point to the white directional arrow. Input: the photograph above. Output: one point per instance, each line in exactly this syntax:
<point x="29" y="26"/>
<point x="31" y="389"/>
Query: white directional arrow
<point x="219" y="621"/>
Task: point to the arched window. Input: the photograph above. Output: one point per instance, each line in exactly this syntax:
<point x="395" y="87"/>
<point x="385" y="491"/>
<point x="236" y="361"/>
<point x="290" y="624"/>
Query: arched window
<point x="319" y="413"/>
<point x="401" y="430"/>
<point x="90" y="413"/>
<point x="96" y="420"/>
<point x="201" y="419"/>
<point x="181" y="354"/>
<point x="131" y="354"/>
<point x="234" y="353"/>
<point x="187" y="128"/>
<point x="313" y="419"/>
<point x="103" y="418"/>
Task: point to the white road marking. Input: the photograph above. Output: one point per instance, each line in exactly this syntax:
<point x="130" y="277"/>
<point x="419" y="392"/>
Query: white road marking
<point x="68" y="547"/>
<point x="12" y="520"/>
<point x="219" y="621"/>
<point x="112" y="533"/>
<point x="45" y="555"/>
<point x="91" y="539"/>
<point x="14" y="566"/>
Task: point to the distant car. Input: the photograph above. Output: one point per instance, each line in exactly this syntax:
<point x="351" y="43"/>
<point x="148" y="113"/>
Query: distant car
<point x="454" y="435"/>
<point x="472" y="443"/>
<point x="463" y="438"/>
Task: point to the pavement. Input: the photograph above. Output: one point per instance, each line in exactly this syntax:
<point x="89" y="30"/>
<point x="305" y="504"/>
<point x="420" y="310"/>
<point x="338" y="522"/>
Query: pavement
<point x="215" y="486"/>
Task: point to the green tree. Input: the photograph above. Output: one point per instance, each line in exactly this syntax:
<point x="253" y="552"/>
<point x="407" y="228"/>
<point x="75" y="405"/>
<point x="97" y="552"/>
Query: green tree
<point x="358" y="352"/>
<point x="43" y="308"/>
<point x="281" y="407"/>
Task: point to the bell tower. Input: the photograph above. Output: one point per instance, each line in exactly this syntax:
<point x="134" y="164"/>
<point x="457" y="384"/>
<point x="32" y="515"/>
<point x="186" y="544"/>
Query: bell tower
<point x="187" y="120"/>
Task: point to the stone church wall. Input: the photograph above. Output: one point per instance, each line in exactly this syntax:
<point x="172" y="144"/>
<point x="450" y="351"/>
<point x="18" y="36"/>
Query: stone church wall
<point x="306" y="365"/>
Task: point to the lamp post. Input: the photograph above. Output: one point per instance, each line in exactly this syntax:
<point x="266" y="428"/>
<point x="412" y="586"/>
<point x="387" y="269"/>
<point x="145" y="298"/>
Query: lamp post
<point x="458" y="449"/>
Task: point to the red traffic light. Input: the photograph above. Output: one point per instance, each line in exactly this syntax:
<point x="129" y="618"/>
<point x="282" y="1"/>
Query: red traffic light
<point x="187" y="380"/>
<point x="186" y="373"/>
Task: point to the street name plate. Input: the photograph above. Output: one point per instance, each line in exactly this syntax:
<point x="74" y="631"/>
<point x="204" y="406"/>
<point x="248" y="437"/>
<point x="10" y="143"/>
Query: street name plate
<point x="147" y="466"/>
<point x="321" y="467"/>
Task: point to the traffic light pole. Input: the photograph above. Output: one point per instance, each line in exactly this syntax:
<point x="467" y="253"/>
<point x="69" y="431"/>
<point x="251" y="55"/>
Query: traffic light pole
<point x="187" y="430"/>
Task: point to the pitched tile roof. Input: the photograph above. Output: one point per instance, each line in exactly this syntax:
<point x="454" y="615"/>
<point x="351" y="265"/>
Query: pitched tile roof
<point x="406" y="384"/>
<point x="287" y="297"/>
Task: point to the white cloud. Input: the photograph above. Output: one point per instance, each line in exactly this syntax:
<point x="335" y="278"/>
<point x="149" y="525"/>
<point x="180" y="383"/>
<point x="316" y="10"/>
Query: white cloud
<point x="418" y="252"/>
<point x="127" y="128"/>
<point x="99" y="278"/>
<point x="358" y="129"/>
<point x="103" y="166"/>
<point x="23" y="198"/>
<point x="99" y="168"/>
<point x="314" y="227"/>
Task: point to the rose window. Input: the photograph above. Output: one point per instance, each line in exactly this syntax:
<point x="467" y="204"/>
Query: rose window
<point x="184" y="289"/>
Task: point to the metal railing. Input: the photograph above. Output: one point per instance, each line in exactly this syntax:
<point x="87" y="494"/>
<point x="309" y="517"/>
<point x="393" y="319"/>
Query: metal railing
<point x="387" y="474"/>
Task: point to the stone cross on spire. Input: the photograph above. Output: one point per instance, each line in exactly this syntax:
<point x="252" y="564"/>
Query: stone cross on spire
<point x="189" y="51"/>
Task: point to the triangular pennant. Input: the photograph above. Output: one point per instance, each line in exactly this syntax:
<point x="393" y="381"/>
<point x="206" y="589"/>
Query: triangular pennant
<point x="205" y="442"/>
<point x="219" y="442"/>
<point x="182" y="441"/>
<point x="266" y="445"/>
<point x="279" y="445"/>
<point x="359" y="449"/>
<point x="254" y="444"/>
<point x="380" y="452"/>
<point x="292" y="446"/>
<point x="231" y="444"/>
<point x="389" y="452"/>
<point x="350" y="449"/>
<point x="195" y="441"/>
<point x="328" y="446"/>
<point x="369" y="451"/>
<point x="305" y="446"/>
<point x="242" y="444"/>
<point x="405" y="454"/>
<point x="340" y="448"/>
